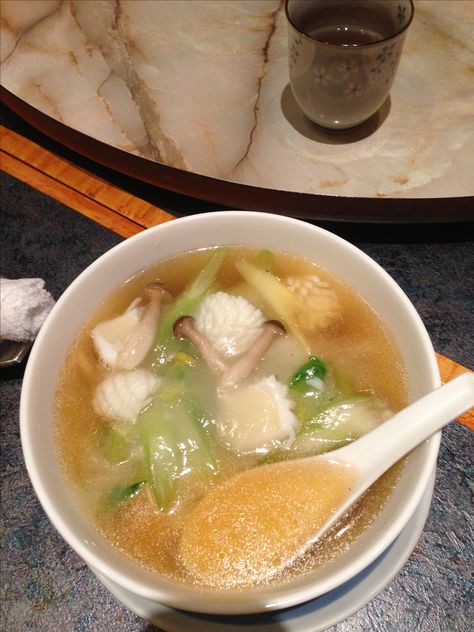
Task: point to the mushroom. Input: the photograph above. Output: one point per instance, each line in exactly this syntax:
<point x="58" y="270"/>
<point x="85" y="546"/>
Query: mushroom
<point x="140" y="339"/>
<point x="248" y="361"/>
<point x="184" y="328"/>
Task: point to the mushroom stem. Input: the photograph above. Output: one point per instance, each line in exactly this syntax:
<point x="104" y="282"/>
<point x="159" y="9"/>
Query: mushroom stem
<point x="247" y="362"/>
<point x="140" y="339"/>
<point x="184" y="328"/>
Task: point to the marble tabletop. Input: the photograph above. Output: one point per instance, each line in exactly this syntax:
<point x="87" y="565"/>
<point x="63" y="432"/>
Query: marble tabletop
<point x="202" y="86"/>
<point x="46" y="587"/>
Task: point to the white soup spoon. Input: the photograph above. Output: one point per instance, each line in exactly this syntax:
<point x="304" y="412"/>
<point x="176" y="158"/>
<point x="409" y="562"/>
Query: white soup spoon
<point x="259" y="521"/>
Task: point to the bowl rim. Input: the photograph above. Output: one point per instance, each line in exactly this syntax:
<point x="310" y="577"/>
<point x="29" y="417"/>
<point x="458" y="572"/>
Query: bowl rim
<point x="172" y="593"/>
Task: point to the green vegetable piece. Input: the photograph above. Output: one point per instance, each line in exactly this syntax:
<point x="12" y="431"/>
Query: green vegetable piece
<point x="314" y="367"/>
<point x="311" y="399"/>
<point x="266" y="260"/>
<point x="194" y="442"/>
<point x="114" y="445"/>
<point x="174" y="442"/>
<point x="120" y="493"/>
<point x="335" y="426"/>
<point x="161" y="452"/>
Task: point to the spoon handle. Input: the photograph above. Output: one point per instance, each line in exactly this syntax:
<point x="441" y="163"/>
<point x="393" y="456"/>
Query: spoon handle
<point x="378" y="450"/>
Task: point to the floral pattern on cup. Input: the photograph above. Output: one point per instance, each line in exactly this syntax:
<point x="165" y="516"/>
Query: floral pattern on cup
<point x="402" y="15"/>
<point x="349" y="67"/>
<point x="353" y="90"/>
<point x="294" y="52"/>
<point x="352" y="76"/>
<point x="322" y="76"/>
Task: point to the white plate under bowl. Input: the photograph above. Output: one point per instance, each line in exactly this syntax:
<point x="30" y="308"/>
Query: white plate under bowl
<point x="314" y="616"/>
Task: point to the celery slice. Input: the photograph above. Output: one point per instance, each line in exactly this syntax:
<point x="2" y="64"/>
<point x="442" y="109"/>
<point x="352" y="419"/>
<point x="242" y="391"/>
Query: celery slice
<point x="196" y="452"/>
<point x="113" y="444"/>
<point x="174" y="444"/>
<point x="160" y="448"/>
<point x="335" y="426"/>
<point x="278" y="297"/>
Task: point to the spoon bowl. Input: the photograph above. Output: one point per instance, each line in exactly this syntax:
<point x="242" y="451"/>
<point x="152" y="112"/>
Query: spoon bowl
<point x="255" y="524"/>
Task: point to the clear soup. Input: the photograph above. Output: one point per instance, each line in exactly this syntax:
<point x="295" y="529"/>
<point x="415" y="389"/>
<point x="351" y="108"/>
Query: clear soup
<point x="140" y="444"/>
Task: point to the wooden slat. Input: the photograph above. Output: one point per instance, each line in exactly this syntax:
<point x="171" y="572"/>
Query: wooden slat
<point x="449" y="370"/>
<point x="67" y="196"/>
<point x="67" y="174"/>
<point x="108" y="205"/>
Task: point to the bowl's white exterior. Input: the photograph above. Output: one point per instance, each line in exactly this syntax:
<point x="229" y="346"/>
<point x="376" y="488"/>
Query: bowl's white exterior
<point x="199" y="231"/>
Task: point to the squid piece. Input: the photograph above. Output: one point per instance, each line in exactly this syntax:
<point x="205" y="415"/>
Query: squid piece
<point x="231" y="323"/>
<point x="122" y="343"/>
<point x="257" y="417"/>
<point x="123" y="395"/>
<point x="322" y="304"/>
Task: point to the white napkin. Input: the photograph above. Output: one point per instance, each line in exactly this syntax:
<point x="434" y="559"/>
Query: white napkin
<point x="24" y="305"/>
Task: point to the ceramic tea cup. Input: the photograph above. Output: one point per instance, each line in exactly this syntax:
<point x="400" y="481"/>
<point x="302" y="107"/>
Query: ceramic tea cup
<point x="343" y="56"/>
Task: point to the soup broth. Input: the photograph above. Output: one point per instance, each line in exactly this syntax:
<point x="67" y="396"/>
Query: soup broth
<point x="141" y="443"/>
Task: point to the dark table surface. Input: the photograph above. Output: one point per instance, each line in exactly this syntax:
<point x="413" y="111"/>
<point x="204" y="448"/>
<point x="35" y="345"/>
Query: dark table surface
<point x="46" y="586"/>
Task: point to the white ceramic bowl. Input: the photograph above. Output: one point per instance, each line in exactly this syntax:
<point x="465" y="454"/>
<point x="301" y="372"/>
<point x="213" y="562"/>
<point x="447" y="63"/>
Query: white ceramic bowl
<point x="161" y="242"/>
